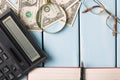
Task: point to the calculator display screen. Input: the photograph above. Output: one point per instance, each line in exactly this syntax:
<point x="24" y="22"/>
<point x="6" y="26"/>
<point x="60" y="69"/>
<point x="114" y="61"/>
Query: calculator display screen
<point x="21" y="39"/>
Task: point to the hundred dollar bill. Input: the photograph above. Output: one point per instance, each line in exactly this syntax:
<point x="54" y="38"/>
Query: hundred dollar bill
<point x="14" y="4"/>
<point x="72" y="12"/>
<point x="65" y="3"/>
<point x="28" y="11"/>
<point x="49" y="14"/>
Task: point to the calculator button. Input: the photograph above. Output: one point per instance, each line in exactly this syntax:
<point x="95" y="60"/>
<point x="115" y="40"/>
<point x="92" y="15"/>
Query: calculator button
<point x="11" y="76"/>
<point x="1" y="74"/>
<point x="5" y="56"/>
<point x="5" y="69"/>
<point x="1" y="61"/>
<point x="4" y="79"/>
<point x="13" y="68"/>
<point x="1" y="50"/>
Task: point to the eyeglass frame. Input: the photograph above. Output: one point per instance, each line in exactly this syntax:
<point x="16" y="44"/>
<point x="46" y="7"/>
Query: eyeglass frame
<point x="100" y="5"/>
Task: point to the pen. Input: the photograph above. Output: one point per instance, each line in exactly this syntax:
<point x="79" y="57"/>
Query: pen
<point x="82" y="71"/>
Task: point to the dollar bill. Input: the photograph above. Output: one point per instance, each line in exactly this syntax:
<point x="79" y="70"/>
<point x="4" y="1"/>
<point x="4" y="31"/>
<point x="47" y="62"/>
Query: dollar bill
<point x="3" y="6"/>
<point x="14" y="4"/>
<point x="65" y="3"/>
<point x="49" y="14"/>
<point x="72" y="12"/>
<point x="24" y="3"/>
<point x="28" y="11"/>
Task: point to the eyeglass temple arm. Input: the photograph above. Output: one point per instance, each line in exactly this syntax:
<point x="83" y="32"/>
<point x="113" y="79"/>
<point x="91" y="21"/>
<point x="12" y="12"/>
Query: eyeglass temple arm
<point x="100" y="5"/>
<point x="114" y="26"/>
<point x="90" y="8"/>
<point x="115" y="17"/>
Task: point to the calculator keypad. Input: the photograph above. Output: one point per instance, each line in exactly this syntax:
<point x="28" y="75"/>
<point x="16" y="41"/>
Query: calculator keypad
<point x="1" y="74"/>
<point x="5" y="78"/>
<point x="5" y="69"/>
<point x="8" y="69"/>
<point x="1" y="50"/>
<point x="1" y="61"/>
<point x="5" y="56"/>
<point x="11" y="76"/>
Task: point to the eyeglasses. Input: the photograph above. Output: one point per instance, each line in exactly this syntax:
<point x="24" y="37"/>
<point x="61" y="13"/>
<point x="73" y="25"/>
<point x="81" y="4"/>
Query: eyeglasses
<point x="97" y="9"/>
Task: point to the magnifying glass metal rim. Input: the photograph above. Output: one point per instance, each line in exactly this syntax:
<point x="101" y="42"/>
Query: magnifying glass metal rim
<point x="51" y="32"/>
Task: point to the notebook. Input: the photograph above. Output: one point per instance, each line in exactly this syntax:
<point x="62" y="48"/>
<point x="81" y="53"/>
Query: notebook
<point x="55" y="74"/>
<point x="74" y="74"/>
<point x="103" y="74"/>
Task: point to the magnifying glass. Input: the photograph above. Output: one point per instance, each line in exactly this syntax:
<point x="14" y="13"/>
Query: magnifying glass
<point x="51" y="18"/>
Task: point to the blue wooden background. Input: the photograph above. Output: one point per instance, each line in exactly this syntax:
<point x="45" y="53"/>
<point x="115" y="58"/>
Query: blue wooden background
<point x="89" y="40"/>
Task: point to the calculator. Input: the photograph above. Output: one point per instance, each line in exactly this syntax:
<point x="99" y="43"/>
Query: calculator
<point x="19" y="53"/>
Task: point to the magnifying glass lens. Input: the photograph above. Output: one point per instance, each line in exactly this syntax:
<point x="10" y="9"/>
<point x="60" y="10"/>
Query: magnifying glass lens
<point x="51" y="18"/>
